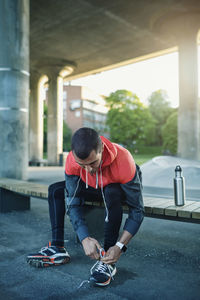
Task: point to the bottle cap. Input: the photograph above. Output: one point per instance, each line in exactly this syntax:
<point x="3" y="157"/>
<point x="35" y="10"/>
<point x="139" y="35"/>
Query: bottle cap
<point x="178" y="169"/>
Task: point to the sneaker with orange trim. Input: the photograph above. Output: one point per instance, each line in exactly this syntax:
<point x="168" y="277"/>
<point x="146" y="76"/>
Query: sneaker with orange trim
<point x="49" y="256"/>
<point x="101" y="273"/>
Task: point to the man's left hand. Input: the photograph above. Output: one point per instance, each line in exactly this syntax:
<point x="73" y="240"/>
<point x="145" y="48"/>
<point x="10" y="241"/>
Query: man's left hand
<point x="112" y="255"/>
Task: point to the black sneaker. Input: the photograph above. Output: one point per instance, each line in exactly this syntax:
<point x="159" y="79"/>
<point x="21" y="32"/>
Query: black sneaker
<point x="101" y="273"/>
<point x="49" y="256"/>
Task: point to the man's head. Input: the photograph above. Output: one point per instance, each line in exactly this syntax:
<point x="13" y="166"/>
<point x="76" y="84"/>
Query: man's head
<point x="87" y="148"/>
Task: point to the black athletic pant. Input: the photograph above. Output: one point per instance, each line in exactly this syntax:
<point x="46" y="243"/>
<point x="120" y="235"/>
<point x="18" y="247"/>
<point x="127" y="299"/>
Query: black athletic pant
<point x="113" y="196"/>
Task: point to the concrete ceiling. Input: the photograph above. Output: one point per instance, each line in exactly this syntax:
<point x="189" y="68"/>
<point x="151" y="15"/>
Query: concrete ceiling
<point x="94" y="34"/>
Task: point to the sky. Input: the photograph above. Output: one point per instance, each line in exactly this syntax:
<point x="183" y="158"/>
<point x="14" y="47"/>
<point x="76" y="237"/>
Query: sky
<point x="142" y="78"/>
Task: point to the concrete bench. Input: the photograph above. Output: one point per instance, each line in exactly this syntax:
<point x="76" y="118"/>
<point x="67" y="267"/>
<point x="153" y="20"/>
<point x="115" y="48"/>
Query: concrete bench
<point x="15" y="195"/>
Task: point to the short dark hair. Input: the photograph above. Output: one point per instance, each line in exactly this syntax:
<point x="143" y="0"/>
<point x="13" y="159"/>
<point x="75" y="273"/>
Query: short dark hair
<point x="84" y="141"/>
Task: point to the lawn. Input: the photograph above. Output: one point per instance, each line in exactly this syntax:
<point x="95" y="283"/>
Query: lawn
<point x="142" y="158"/>
<point x="146" y="153"/>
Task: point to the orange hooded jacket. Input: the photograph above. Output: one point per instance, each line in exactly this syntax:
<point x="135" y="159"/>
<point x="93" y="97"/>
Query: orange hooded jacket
<point x="118" y="165"/>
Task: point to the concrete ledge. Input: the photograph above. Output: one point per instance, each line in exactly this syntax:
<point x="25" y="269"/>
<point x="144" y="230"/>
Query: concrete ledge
<point x="24" y="187"/>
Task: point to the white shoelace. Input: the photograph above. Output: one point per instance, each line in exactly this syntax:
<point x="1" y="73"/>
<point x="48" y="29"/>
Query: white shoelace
<point x="42" y="251"/>
<point x="102" y="268"/>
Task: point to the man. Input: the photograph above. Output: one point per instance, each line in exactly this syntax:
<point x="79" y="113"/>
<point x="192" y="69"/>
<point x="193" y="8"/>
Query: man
<point x="96" y="170"/>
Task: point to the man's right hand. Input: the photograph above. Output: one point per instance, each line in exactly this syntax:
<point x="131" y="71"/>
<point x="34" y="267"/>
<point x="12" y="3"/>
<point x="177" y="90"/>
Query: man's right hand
<point x="90" y="247"/>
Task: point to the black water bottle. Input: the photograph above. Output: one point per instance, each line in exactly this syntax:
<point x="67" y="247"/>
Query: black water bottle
<point x="179" y="187"/>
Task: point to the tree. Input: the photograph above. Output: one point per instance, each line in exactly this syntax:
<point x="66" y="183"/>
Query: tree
<point x="160" y="109"/>
<point x="130" y="122"/>
<point x="169" y="134"/>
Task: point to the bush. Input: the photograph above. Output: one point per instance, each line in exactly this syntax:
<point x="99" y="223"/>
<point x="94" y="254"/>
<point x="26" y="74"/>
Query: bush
<point x="159" y="106"/>
<point x="129" y="122"/>
<point x="169" y="134"/>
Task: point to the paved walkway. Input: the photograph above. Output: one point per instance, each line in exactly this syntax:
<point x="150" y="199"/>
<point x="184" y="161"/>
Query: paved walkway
<point x="162" y="261"/>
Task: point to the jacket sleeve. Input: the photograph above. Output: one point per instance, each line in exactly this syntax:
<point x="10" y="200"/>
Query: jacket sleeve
<point x="134" y="200"/>
<point x="74" y="205"/>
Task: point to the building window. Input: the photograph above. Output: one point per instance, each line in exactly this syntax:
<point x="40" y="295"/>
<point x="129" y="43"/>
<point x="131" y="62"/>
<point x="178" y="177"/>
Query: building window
<point x="88" y="114"/>
<point x="77" y="113"/>
<point x="74" y="104"/>
<point x="87" y="123"/>
<point x="91" y="115"/>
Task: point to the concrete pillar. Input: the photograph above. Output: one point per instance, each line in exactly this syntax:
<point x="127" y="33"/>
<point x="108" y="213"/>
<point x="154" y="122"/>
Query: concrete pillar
<point x="36" y="112"/>
<point x="188" y="114"/>
<point x="183" y="29"/>
<point x="14" y="87"/>
<point x="55" y="118"/>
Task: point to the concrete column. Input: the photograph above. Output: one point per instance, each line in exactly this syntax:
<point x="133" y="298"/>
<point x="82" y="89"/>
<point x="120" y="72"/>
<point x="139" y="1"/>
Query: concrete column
<point x="55" y="119"/>
<point x="183" y="30"/>
<point x="14" y="87"/>
<point x="188" y="115"/>
<point x="36" y="112"/>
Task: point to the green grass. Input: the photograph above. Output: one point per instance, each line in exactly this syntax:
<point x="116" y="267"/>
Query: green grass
<point x="146" y="153"/>
<point x="142" y="158"/>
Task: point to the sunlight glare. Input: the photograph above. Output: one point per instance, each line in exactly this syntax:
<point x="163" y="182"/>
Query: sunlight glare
<point x="142" y="78"/>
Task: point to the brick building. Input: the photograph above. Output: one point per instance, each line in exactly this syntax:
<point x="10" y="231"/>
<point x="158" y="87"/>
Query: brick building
<point x="83" y="108"/>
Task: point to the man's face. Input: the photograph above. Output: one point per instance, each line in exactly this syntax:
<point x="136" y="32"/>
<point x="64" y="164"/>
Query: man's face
<point x="91" y="163"/>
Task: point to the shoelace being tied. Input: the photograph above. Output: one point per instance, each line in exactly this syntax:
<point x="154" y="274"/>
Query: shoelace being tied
<point x="102" y="267"/>
<point x="43" y="249"/>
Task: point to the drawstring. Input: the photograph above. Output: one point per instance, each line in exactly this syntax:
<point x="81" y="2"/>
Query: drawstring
<point x="104" y="200"/>
<point x="97" y="180"/>
<point x="86" y="171"/>
<point x="86" y="179"/>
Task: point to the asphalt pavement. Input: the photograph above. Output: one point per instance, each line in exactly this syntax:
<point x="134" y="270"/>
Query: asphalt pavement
<point x="162" y="260"/>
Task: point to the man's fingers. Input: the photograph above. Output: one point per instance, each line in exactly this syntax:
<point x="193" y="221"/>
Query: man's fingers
<point x="106" y="259"/>
<point x="96" y="243"/>
<point x="91" y="248"/>
<point x="97" y="255"/>
<point x="109" y="261"/>
<point x="94" y="255"/>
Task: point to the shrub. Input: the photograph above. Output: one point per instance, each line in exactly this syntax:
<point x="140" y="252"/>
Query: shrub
<point x="169" y="134"/>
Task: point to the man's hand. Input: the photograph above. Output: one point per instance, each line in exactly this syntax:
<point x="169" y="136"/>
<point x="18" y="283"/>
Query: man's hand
<point x="90" y="247"/>
<point x="112" y="255"/>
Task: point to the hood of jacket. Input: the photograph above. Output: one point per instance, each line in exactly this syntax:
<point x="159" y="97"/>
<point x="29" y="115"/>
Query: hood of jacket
<point x="109" y="152"/>
<point x="117" y="166"/>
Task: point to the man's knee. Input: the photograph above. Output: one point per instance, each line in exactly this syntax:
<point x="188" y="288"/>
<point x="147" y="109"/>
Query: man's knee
<point x="113" y="194"/>
<point x="56" y="188"/>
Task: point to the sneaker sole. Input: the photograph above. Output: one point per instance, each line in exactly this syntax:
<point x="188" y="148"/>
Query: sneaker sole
<point x="104" y="283"/>
<point x="46" y="262"/>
